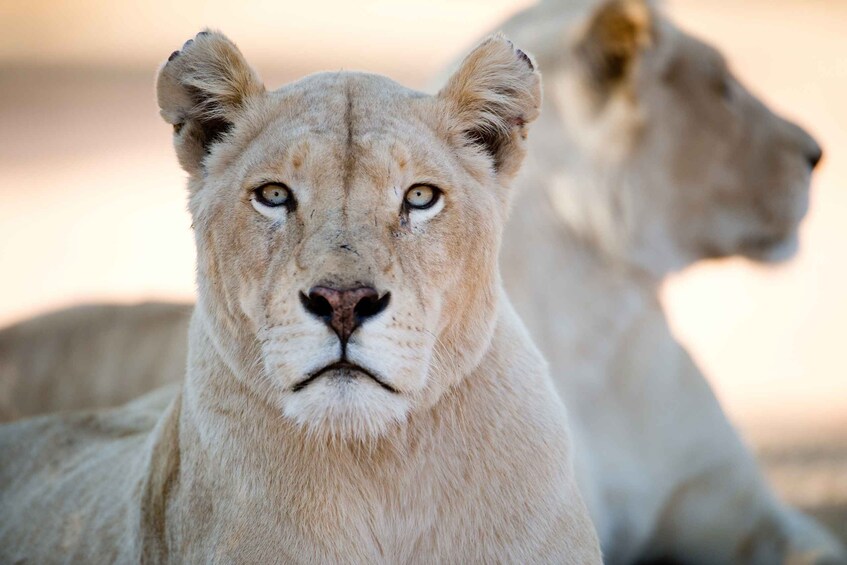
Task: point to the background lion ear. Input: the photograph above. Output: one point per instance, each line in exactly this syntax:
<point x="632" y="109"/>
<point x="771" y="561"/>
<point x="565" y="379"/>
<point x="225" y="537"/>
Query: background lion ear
<point x="493" y="96"/>
<point x="201" y="89"/>
<point x="614" y="36"/>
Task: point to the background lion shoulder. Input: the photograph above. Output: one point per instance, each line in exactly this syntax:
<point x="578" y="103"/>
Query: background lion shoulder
<point x="90" y="356"/>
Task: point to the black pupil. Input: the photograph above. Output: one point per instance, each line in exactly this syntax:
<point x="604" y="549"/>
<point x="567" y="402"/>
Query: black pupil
<point x="275" y="195"/>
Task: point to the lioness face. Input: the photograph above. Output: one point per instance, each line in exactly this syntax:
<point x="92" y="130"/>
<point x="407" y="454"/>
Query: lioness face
<point x="701" y="168"/>
<point x="357" y="232"/>
<point x="741" y="173"/>
<point x="347" y="231"/>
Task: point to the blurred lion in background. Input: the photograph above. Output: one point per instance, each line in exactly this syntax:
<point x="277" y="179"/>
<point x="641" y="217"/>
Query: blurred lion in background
<point x="650" y="155"/>
<point x="90" y="356"/>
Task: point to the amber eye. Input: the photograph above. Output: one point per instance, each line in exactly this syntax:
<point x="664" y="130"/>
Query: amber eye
<point x="273" y="195"/>
<point x="422" y="196"/>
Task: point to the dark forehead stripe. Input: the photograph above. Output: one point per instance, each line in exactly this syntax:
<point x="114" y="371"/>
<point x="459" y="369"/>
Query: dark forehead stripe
<point x="348" y="147"/>
<point x="360" y="91"/>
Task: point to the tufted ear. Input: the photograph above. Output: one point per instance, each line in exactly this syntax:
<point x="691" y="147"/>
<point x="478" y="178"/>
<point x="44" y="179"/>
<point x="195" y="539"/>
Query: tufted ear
<point x="201" y="89"/>
<point x="493" y="96"/>
<point x="616" y="33"/>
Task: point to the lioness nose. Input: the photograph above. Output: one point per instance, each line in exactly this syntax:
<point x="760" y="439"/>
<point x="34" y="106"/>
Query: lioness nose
<point x="344" y="310"/>
<point x="815" y="156"/>
<point x="808" y="145"/>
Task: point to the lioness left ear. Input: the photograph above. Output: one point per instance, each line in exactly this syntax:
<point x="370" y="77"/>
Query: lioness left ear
<point x="201" y="90"/>
<point x="493" y="96"/>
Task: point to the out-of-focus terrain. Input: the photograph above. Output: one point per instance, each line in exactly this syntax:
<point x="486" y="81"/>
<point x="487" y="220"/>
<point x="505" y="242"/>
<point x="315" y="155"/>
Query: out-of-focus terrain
<point x="92" y="204"/>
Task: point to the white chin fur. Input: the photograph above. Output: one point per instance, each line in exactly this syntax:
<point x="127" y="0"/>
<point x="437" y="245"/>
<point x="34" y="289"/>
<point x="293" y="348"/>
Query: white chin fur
<point x="345" y="409"/>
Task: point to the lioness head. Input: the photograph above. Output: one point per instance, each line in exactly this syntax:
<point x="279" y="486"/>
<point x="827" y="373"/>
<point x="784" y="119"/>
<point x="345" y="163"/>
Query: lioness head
<point x="686" y="162"/>
<point x="347" y="228"/>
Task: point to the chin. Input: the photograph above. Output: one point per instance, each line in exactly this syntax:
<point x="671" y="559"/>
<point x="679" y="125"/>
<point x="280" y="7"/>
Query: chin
<point x="342" y="405"/>
<point x="776" y="252"/>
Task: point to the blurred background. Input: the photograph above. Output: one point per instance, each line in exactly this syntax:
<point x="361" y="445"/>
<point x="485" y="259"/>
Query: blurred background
<point x="92" y="201"/>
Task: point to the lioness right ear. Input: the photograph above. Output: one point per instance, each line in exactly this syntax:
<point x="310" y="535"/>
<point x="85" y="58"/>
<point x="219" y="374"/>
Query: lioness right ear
<point x="615" y="34"/>
<point x="493" y="97"/>
<point x="201" y="90"/>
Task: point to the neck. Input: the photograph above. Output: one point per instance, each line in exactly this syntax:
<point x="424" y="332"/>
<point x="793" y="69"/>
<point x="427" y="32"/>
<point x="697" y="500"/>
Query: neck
<point x="228" y="413"/>
<point x="576" y="293"/>
<point x="380" y="490"/>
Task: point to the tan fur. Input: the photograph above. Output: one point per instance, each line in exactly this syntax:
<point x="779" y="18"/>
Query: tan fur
<point x="465" y="460"/>
<point x="637" y="168"/>
<point x="91" y="356"/>
<point x="643" y="164"/>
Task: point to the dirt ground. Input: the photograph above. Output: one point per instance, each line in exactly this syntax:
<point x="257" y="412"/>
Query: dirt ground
<point x="808" y="467"/>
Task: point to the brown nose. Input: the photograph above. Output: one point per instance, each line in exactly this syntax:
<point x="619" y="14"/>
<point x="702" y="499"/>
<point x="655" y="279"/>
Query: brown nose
<point x="344" y="310"/>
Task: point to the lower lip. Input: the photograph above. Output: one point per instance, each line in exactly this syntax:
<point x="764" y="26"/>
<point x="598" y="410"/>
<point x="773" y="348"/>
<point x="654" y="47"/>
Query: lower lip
<point x="342" y="371"/>
<point x="345" y="372"/>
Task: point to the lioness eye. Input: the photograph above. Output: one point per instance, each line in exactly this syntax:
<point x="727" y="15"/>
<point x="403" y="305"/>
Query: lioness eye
<point x="273" y="194"/>
<point x="422" y="196"/>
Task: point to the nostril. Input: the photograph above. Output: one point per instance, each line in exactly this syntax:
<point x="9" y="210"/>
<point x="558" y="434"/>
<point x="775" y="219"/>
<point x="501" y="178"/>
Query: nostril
<point x="371" y="304"/>
<point x="815" y="157"/>
<point x="317" y="305"/>
<point x="344" y="310"/>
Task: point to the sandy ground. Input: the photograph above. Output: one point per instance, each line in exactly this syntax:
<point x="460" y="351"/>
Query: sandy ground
<point x="808" y="467"/>
<point x="92" y="205"/>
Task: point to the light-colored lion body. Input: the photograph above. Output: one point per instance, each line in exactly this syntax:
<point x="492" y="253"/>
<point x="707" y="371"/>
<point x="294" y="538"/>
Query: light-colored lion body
<point x="650" y="156"/>
<point x="108" y="354"/>
<point x="449" y="483"/>
<point x="629" y="177"/>
<point x="440" y="440"/>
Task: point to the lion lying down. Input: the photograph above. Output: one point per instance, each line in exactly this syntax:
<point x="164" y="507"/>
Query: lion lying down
<point x="359" y="388"/>
<point x="649" y="156"/>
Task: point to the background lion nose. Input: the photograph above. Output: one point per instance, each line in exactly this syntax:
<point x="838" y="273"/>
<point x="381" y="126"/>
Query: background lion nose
<point x="815" y="156"/>
<point x="344" y="310"/>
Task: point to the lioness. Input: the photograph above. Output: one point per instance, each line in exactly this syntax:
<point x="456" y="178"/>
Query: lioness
<point x="359" y="389"/>
<point x="649" y="156"/>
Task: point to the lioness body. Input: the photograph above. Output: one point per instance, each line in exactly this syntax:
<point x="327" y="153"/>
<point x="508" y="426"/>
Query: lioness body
<point x="646" y="168"/>
<point x="651" y="156"/>
<point x="662" y="471"/>
<point x="336" y="408"/>
<point x="118" y="352"/>
<point x="450" y="486"/>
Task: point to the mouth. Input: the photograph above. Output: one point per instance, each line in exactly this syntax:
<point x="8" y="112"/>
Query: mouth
<point x="762" y="243"/>
<point x="343" y="369"/>
<point x="769" y="248"/>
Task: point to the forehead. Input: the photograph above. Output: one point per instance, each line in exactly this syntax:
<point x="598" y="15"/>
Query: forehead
<point x="335" y="125"/>
<point x="695" y="57"/>
<point x="345" y="107"/>
<point x="350" y="87"/>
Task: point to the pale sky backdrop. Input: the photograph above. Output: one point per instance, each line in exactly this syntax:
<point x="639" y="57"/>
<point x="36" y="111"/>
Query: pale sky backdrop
<point x="92" y="202"/>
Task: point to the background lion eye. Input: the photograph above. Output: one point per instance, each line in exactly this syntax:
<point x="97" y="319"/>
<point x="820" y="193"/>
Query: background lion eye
<point x="422" y="196"/>
<point x="723" y="86"/>
<point x="273" y="194"/>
